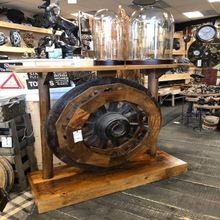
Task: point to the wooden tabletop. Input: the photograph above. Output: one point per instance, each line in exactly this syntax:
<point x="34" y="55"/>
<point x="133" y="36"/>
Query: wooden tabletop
<point x="48" y="69"/>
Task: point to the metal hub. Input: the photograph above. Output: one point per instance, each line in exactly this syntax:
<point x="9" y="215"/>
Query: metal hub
<point x="112" y="125"/>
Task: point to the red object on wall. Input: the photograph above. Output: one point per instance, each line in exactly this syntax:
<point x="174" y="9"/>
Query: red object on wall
<point x="12" y="82"/>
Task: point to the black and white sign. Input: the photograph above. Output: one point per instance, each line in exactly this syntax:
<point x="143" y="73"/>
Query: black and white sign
<point x="57" y="80"/>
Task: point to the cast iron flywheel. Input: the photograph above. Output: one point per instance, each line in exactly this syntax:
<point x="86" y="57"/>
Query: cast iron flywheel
<point x="103" y="123"/>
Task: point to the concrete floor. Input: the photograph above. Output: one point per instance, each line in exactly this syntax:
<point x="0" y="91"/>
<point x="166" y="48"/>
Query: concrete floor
<point x="193" y="195"/>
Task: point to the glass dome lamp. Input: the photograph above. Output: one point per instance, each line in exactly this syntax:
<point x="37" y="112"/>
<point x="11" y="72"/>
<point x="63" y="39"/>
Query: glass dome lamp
<point x="107" y="35"/>
<point x="151" y="36"/>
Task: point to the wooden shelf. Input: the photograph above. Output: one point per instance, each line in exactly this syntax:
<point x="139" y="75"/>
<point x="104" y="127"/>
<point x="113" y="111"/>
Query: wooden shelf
<point x="8" y="49"/>
<point x="8" y="25"/>
<point x="178" y="53"/>
<point x="175" y="76"/>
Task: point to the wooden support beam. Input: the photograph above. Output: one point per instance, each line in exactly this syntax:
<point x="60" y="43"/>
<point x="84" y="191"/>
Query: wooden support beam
<point x="153" y="84"/>
<point x="44" y="99"/>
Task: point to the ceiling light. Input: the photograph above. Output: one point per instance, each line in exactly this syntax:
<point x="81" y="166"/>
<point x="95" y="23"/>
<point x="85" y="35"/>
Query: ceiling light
<point x="214" y="1"/>
<point x="72" y="1"/>
<point x="193" y="14"/>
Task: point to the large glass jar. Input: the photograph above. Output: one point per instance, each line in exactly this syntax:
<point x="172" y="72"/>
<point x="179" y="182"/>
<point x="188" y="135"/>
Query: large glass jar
<point x="151" y="35"/>
<point x="107" y="35"/>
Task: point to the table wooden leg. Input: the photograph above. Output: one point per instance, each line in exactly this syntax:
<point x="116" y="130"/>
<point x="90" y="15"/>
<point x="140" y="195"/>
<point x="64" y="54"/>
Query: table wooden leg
<point x="183" y="99"/>
<point x="200" y="119"/>
<point x="173" y="100"/>
<point x="153" y="84"/>
<point x="44" y="99"/>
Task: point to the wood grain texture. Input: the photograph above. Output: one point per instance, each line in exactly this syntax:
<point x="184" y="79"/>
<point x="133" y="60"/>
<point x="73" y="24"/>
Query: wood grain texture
<point x="47" y="69"/>
<point x="9" y="49"/>
<point x="173" y="77"/>
<point x="153" y="84"/>
<point x="9" y="25"/>
<point x="10" y="172"/>
<point x="44" y="99"/>
<point x="75" y="186"/>
<point x="3" y="176"/>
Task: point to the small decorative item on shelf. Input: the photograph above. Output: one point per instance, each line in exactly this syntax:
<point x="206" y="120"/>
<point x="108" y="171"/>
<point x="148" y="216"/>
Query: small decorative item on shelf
<point x="3" y="39"/>
<point x="108" y="39"/>
<point x="15" y="38"/>
<point x="28" y="38"/>
<point x="151" y="31"/>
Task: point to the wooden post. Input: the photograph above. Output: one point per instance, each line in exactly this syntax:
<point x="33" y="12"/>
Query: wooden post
<point x="44" y="99"/>
<point x="153" y="84"/>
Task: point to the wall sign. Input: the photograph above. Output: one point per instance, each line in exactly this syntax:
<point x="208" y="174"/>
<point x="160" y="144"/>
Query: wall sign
<point x="58" y="80"/>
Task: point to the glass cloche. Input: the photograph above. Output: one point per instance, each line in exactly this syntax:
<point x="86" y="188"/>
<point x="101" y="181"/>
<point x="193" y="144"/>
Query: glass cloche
<point x="107" y="35"/>
<point x="151" y="36"/>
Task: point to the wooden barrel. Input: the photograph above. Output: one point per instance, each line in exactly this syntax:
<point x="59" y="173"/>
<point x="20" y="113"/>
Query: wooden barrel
<point x="210" y="122"/>
<point x="10" y="173"/>
<point x="3" y="177"/>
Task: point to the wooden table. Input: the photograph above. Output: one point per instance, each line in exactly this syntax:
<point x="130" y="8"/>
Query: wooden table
<point x="153" y="72"/>
<point x="70" y="185"/>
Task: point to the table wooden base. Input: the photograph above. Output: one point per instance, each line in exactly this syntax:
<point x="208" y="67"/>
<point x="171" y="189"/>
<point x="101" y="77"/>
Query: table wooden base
<point x="71" y="186"/>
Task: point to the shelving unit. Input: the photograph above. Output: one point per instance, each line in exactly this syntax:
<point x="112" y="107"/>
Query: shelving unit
<point x="8" y="25"/>
<point x="38" y="32"/>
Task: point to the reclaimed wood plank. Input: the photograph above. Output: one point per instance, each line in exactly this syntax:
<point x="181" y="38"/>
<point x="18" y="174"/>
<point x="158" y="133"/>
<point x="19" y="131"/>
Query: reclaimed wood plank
<point x="50" y="69"/>
<point x="82" y="186"/>
<point x="44" y="102"/>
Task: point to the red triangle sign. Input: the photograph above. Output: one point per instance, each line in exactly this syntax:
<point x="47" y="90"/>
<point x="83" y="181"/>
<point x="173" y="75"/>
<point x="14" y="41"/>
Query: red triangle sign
<point x="12" y="82"/>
